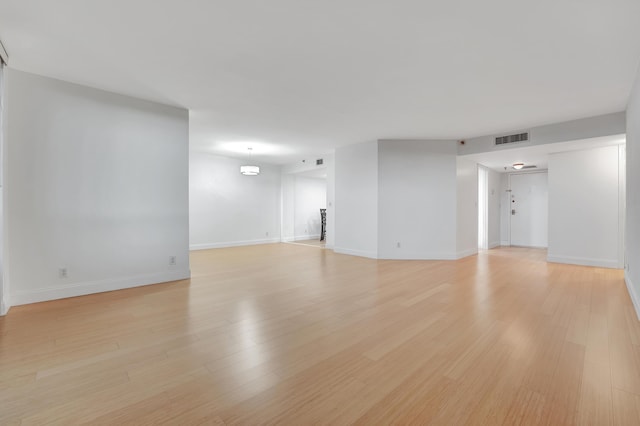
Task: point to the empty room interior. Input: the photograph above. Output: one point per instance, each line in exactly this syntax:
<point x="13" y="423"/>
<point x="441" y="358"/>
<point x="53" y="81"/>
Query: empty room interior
<point x="297" y="212"/>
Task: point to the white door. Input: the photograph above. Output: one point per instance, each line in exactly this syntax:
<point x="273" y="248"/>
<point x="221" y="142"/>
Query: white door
<point x="529" y="209"/>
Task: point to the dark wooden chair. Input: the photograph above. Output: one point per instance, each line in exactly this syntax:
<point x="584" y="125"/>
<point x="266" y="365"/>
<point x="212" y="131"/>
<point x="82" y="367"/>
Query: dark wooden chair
<point x="323" y="222"/>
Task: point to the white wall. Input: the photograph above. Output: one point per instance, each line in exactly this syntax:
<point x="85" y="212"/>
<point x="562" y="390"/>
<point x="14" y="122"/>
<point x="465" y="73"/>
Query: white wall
<point x="310" y="197"/>
<point x="417" y="204"/>
<point x="505" y="209"/>
<point x="289" y="172"/>
<point x="586" y="128"/>
<point x="94" y="182"/>
<point x="227" y="208"/>
<point x="529" y="197"/>
<point x="494" y="203"/>
<point x="356" y="200"/>
<point x="632" y="235"/>
<point x="584" y="207"/>
<point x="467" y="207"/>
<point x="288" y="198"/>
<point x="331" y="190"/>
<point x="3" y="284"/>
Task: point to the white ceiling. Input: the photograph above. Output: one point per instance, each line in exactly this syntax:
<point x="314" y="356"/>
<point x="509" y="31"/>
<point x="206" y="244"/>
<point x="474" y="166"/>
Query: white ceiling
<point x="298" y="77"/>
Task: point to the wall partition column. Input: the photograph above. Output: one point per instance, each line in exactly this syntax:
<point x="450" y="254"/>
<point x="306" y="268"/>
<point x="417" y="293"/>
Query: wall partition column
<point x="4" y="305"/>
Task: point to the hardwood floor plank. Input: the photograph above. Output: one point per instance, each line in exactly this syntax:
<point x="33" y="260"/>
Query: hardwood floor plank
<point x="293" y="334"/>
<point x="596" y="402"/>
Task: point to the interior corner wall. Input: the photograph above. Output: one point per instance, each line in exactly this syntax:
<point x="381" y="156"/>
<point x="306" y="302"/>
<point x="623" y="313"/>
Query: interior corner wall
<point x="310" y="195"/>
<point x="95" y="184"/>
<point x="229" y="209"/>
<point x="417" y="204"/>
<point x="585" y="207"/>
<point x="494" y="204"/>
<point x="466" y="208"/>
<point x="632" y="234"/>
<point x="356" y="200"/>
<point x="331" y="190"/>
<point x="4" y="287"/>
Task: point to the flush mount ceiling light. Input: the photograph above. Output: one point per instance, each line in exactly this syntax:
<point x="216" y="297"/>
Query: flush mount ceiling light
<point x="517" y="166"/>
<point x="250" y="170"/>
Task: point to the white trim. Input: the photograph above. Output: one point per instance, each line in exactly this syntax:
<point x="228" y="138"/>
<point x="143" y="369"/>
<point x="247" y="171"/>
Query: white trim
<point x="91" y="287"/>
<point x="361" y="253"/>
<point x="3" y="54"/>
<point x="534" y="247"/>
<point x="635" y="299"/>
<point x="600" y="263"/>
<point x="421" y="256"/>
<point x="494" y="244"/>
<point x="207" y="246"/>
<point x="301" y="238"/>
<point x="505" y="243"/>
<point x="4" y="309"/>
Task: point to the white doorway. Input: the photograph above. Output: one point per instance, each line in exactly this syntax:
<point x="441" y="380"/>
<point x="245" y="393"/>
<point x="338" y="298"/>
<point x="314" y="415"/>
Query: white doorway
<point x="483" y="208"/>
<point x="304" y="194"/>
<point x="529" y="209"/>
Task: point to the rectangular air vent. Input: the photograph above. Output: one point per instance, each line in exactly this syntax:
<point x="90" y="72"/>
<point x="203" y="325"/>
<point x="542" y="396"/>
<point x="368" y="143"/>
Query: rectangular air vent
<point x="319" y="162"/>
<point x="520" y="137"/>
<point x="529" y="167"/>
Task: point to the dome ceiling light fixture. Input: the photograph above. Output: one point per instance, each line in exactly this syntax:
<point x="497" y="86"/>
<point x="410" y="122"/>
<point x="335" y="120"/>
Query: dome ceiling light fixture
<point x="250" y="170"/>
<point x="517" y="166"/>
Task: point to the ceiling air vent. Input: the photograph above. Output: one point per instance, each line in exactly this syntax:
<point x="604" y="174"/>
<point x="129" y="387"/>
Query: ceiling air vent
<point x="319" y="162"/>
<point x="520" y="137"/>
<point x="529" y="167"/>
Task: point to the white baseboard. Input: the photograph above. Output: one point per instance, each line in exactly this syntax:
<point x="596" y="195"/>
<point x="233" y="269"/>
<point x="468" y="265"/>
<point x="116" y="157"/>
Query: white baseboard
<point x="465" y="253"/>
<point x="4" y="308"/>
<point x="407" y="255"/>
<point x="361" y="253"/>
<point x="495" y="244"/>
<point x="505" y="243"/>
<point x="635" y="297"/>
<point x="301" y="238"/>
<point x="91" y="287"/>
<point x="600" y="263"/>
<point x="234" y="244"/>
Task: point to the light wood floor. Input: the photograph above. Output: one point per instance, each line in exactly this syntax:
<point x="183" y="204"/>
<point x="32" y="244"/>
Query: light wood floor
<point x="294" y="335"/>
<point x="314" y="242"/>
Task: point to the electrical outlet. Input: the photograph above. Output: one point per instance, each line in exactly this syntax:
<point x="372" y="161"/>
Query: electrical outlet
<point x="172" y="261"/>
<point x="266" y="233"/>
<point x="398" y="245"/>
<point x="62" y="273"/>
